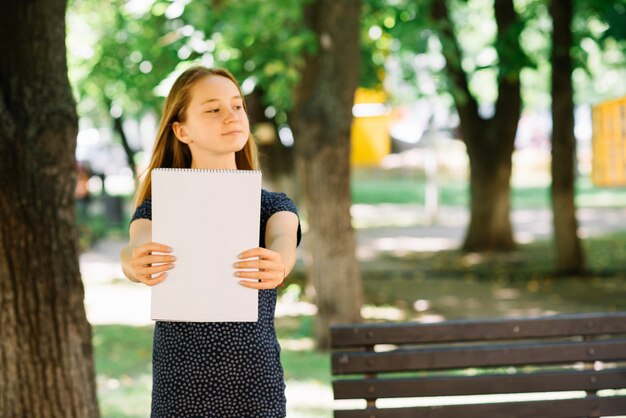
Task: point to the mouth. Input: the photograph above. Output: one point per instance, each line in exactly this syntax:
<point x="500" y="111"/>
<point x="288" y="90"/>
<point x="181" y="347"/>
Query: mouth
<point x="232" y="133"/>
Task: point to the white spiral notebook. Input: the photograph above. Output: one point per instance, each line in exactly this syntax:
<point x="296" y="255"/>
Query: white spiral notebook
<point x="208" y="217"/>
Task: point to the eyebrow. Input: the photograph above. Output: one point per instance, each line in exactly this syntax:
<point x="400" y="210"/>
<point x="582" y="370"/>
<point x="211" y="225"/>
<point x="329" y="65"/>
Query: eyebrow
<point x="217" y="100"/>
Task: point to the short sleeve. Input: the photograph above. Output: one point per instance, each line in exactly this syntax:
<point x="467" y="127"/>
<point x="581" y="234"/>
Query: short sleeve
<point x="143" y="211"/>
<point x="280" y="202"/>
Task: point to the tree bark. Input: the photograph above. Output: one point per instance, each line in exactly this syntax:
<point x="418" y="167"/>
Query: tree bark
<point x="46" y="366"/>
<point x="490" y="174"/>
<point x="321" y="120"/>
<point x="569" y="254"/>
<point x="489" y="142"/>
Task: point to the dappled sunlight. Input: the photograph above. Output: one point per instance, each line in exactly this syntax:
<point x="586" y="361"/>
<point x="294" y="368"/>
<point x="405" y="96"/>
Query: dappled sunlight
<point x="98" y="269"/>
<point x="472" y="259"/>
<point x="297" y="344"/>
<point x="459" y="220"/>
<point x="525" y="237"/>
<point x="402" y="246"/>
<point x="429" y="318"/>
<point x="124" y="397"/>
<point x="421" y="305"/>
<point x="476" y="399"/>
<point x="118" y="303"/>
<point x="381" y="348"/>
<point x="295" y="309"/>
<point x="531" y="225"/>
<point x="289" y="303"/>
<point x="387" y="215"/>
<point x="591" y="224"/>
<point x="388" y="313"/>
<point x="506" y="294"/>
<point x="310" y="399"/>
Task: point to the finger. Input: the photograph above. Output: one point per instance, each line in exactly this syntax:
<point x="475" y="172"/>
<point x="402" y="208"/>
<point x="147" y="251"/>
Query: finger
<point x="148" y="271"/>
<point x="153" y="259"/>
<point x="143" y="263"/>
<point x="153" y="281"/>
<point x="150" y="247"/>
<point x="260" y="252"/>
<point x="261" y="275"/>
<point x="155" y="246"/>
<point x="259" y="264"/>
<point x="258" y="285"/>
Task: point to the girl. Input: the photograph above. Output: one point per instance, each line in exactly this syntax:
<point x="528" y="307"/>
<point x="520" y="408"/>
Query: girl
<point x="220" y="369"/>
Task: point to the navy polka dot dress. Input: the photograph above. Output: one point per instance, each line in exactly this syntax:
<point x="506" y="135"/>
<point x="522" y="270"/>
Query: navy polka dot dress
<point x="221" y="369"/>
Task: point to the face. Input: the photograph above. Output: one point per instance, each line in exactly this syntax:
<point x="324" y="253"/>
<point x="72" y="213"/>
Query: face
<point x="216" y="124"/>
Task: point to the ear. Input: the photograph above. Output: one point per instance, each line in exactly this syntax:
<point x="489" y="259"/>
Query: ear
<point x="181" y="133"/>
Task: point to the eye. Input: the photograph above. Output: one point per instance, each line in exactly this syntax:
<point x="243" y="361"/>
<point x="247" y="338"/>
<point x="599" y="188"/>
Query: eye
<point x="213" y="110"/>
<point x="238" y="107"/>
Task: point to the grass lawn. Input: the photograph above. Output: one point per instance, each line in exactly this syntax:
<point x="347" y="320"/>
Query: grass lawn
<point x="373" y="190"/>
<point x="123" y="365"/>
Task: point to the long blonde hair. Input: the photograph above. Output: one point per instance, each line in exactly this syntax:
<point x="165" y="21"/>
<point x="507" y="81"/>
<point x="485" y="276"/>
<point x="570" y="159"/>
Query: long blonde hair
<point x="168" y="151"/>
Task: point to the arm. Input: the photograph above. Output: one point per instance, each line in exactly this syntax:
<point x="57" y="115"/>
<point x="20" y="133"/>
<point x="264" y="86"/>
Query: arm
<point x="137" y="259"/>
<point x="280" y="236"/>
<point x="277" y="260"/>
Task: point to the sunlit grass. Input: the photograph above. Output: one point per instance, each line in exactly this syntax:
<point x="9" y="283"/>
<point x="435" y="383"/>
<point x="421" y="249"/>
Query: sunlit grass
<point x="123" y="366"/>
<point x="411" y="190"/>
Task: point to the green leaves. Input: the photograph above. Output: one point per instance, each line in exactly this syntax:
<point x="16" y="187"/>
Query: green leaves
<point x="136" y="48"/>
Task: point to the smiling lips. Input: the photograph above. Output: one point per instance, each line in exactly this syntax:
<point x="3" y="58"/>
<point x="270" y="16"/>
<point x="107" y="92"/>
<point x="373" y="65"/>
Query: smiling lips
<point x="232" y="132"/>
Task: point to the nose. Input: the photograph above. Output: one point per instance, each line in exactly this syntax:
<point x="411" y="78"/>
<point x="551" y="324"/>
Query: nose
<point x="230" y="116"/>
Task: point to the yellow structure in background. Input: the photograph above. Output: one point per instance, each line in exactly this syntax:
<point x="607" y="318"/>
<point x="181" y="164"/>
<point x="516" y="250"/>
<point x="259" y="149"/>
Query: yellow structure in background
<point x="370" y="137"/>
<point x="609" y="143"/>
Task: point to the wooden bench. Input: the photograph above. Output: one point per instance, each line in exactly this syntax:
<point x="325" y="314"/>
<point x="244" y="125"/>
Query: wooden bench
<point x="584" y="353"/>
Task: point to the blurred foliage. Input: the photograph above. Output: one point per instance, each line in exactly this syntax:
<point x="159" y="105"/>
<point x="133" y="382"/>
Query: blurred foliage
<point x="124" y="55"/>
<point x="417" y="51"/>
<point x="612" y="15"/>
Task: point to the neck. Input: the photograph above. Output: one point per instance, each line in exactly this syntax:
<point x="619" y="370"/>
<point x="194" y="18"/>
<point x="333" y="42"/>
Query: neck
<point x="226" y="162"/>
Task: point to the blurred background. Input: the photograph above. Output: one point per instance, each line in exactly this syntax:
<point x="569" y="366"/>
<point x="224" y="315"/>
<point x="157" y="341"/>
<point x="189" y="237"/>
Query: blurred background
<point x="452" y="160"/>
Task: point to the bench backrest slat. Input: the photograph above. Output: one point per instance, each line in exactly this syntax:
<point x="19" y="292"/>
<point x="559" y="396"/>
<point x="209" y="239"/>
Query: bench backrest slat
<point x="591" y="406"/>
<point x="350" y="362"/>
<point x="478" y="330"/>
<point x="590" y="380"/>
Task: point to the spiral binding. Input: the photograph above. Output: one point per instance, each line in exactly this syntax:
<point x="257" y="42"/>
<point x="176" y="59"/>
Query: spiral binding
<point x="208" y="170"/>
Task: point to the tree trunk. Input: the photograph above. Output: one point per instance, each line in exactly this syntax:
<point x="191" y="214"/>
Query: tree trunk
<point x="569" y="253"/>
<point x="489" y="142"/>
<point x="490" y="225"/>
<point x="46" y="366"/>
<point x="321" y="120"/>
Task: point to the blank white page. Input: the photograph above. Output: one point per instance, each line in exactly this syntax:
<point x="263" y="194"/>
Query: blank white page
<point x="208" y="217"/>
